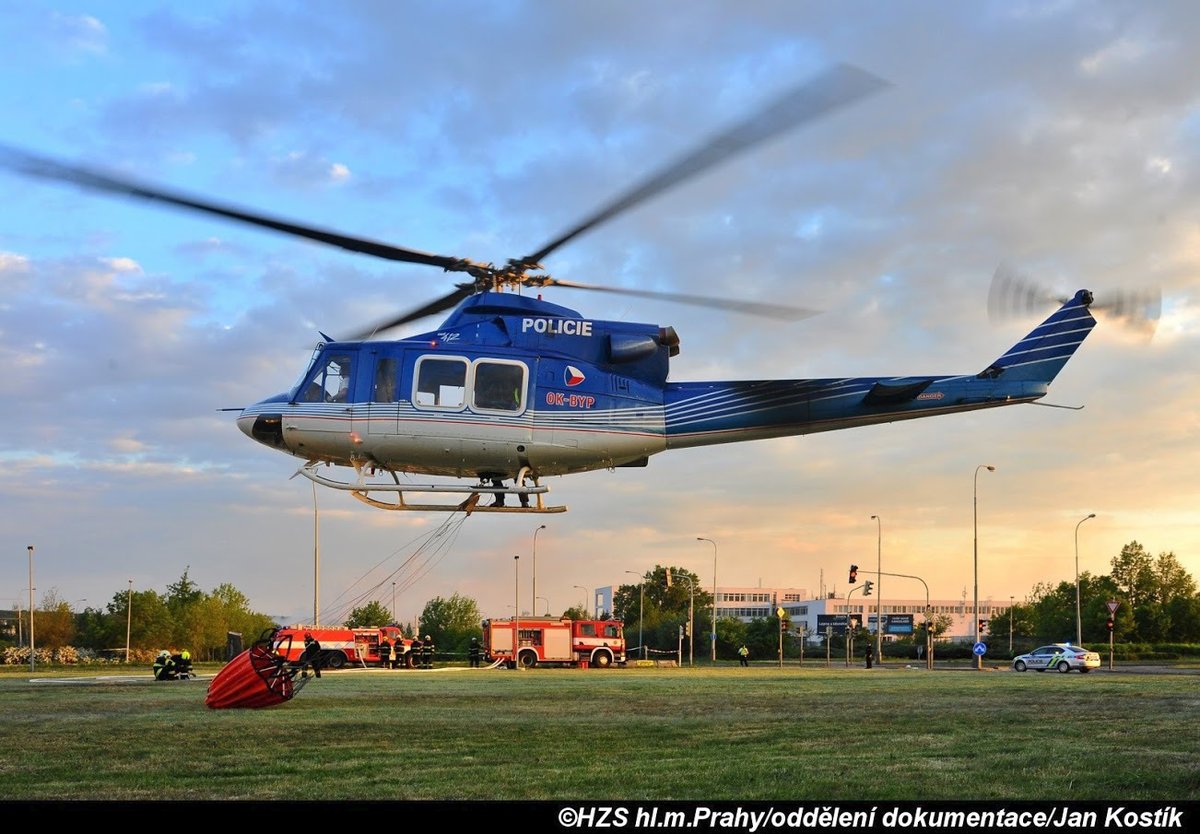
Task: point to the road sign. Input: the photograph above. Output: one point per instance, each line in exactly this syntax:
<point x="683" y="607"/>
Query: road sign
<point x="1113" y="605"/>
<point x="980" y="649"/>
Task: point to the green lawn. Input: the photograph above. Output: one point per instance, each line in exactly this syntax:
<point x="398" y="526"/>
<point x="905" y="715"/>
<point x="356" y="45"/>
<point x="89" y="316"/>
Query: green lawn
<point x="632" y="734"/>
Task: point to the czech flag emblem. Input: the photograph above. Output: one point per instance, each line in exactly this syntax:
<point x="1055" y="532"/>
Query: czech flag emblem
<point x="573" y="376"/>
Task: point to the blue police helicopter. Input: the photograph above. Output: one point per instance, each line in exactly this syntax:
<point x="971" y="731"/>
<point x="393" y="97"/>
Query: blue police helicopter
<point x="511" y="389"/>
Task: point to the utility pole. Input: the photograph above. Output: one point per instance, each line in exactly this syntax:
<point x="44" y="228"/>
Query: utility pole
<point x="31" y="647"/>
<point x="128" y="619"/>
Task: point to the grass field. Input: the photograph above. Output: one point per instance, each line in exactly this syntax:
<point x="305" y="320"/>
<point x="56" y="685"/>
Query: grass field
<point x="764" y="733"/>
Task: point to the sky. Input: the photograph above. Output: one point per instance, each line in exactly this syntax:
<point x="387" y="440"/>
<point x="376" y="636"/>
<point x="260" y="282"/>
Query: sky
<point x="1060" y="138"/>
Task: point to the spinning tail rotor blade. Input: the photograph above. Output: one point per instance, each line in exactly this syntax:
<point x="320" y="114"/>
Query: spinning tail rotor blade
<point x="781" y="312"/>
<point x="1014" y="295"/>
<point x="1137" y="309"/>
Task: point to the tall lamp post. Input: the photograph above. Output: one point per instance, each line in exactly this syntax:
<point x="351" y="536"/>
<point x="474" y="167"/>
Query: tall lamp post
<point x="975" y="508"/>
<point x="393" y="602"/>
<point x="878" y="593"/>
<point x="714" y="604"/>
<point x="586" y="592"/>
<point x="691" y="609"/>
<point x="31" y="648"/>
<point x="1078" y="620"/>
<point x="317" y="561"/>
<point x="533" y="569"/>
<point x="128" y="618"/>
<point x="543" y="599"/>
<point x="1010" y="624"/>
<point x="516" y="629"/>
<point x="641" y="609"/>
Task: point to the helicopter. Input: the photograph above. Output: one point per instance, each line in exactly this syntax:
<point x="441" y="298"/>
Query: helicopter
<point x="511" y="389"/>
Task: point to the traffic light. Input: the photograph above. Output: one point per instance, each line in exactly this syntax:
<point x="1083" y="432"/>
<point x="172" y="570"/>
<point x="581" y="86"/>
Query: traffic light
<point x="784" y="625"/>
<point x="867" y="586"/>
<point x="1109" y="623"/>
<point x="853" y="574"/>
<point x="983" y="626"/>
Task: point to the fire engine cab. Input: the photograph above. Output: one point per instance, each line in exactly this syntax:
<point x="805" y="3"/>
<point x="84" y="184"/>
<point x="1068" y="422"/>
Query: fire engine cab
<point x="344" y="646"/>
<point x="555" y="641"/>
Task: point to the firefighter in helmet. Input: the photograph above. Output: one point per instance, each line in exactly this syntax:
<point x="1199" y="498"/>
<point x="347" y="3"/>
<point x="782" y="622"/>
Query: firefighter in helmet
<point x="416" y="652"/>
<point x="311" y="656"/>
<point x="164" y="667"/>
<point x="427" y="653"/>
<point x="183" y="664"/>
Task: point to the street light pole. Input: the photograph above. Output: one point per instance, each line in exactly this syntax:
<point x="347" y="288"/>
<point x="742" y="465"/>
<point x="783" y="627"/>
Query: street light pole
<point x="393" y="602"/>
<point x="691" y="633"/>
<point x="975" y="507"/>
<point x="641" y="610"/>
<point x="878" y="593"/>
<point x="533" y="570"/>
<point x="1078" y="620"/>
<point x="1010" y="624"/>
<point x="543" y="599"/>
<point x="317" y="561"/>
<point x="585" y="596"/>
<point x="128" y="618"/>
<point x="516" y="608"/>
<point x="713" y="637"/>
<point x="31" y="646"/>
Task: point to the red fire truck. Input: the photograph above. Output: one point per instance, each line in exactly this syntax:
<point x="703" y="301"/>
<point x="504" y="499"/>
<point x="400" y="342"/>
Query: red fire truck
<point x="344" y="646"/>
<point x="555" y="641"/>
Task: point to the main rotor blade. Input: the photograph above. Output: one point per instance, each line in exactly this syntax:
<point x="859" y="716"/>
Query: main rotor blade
<point x="38" y="166"/>
<point x="773" y="311"/>
<point x="446" y="302"/>
<point x="836" y="87"/>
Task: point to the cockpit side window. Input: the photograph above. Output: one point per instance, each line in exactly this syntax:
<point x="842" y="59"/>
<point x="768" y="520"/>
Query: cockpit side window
<point x="441" y="382"/>
<point x="331" y="382"/>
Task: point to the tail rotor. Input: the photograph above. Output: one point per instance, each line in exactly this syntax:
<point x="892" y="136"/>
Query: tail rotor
<point x="1014" y="295"/>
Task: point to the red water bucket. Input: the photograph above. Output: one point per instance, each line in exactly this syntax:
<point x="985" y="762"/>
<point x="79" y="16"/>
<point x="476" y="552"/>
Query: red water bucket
<point x="255" y="678"/>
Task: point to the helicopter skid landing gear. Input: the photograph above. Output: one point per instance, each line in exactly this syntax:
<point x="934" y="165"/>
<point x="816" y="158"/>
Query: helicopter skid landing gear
<point x="362" y="491"/>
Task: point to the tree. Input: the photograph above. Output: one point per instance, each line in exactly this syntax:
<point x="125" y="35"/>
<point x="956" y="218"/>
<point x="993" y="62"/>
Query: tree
<point x="371" y="615"/>
<point x="1133" y="571"/>
<point x="183" y="593"/>
<point x="451" y="622"/>
<point x="54" y="624"/>
<point x="661" y="609"/>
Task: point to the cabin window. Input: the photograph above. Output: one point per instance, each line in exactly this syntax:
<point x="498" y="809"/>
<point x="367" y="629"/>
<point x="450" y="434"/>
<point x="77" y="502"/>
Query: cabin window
<point x="611" y="631"/>
<point x="499" y="386"/>
<point x="331" y="384"/>
<point x="441" y="382"/>
<point x="587" y="629"/>
<point x="384" y="390"/>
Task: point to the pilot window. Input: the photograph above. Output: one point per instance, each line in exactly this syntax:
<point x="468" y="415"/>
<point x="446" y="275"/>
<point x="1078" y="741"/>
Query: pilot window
<point x="441" y="382"/>
<point x="499" y="386"/>
<point x="331" y="383"/>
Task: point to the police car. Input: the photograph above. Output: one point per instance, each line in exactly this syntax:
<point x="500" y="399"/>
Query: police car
<point x="1061" y="656"/>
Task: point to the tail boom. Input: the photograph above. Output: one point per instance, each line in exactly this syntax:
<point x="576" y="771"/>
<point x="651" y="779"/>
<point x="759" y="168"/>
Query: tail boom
<point x="706" y="413"/>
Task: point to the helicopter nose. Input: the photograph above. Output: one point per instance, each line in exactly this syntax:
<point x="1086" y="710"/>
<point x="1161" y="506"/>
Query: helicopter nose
<point x="267" y="429"/>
